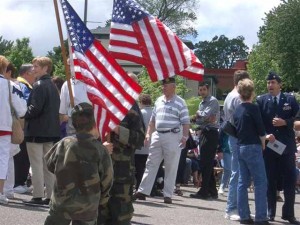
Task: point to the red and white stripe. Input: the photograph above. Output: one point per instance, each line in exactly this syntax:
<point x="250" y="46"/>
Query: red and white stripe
<point x="109" y="87"/>
<point x="150" y="43"/>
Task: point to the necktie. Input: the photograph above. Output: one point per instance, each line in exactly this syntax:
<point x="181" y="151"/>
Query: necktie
<point x="275" y="103"/>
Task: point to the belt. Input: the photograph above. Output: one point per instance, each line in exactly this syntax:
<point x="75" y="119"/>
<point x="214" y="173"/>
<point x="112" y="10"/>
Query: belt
<point x="174" y="130"/>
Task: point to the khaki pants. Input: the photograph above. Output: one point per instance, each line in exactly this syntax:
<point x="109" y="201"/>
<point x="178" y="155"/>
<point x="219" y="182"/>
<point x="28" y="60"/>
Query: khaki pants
<point x="40" y="174"/>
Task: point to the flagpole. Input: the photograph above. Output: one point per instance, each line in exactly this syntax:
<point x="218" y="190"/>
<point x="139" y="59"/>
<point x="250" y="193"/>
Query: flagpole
<point x="64" y="54"/>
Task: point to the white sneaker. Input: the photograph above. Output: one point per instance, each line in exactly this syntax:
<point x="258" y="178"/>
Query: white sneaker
<point x="3" y="199"/>
<point x="22" y="189"/>
<point x="233" y="215"/>
<point x="9" y="194"/>
<point x="221" y="191"/>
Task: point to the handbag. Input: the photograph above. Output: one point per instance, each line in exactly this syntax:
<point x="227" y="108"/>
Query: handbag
<point x="17" y="136"/>
<point x="229" y="129"/>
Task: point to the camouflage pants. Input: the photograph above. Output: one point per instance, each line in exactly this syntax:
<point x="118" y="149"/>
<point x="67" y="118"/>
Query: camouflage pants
<point x="58" y="219"/>
<point x="119" y="209"/>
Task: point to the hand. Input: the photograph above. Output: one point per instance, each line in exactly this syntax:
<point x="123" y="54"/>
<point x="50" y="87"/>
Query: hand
<point x="278" y="122"/>
<point x="182" y="142"/>
<point x="109" y="147"/>
<point x="147" y="141"/>
<point x="270" y="137"/>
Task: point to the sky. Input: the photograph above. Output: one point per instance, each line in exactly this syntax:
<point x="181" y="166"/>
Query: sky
<point x="36" y="19"/>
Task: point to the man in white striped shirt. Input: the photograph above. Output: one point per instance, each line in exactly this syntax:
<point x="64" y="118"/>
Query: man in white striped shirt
<point x="168" y="129"/>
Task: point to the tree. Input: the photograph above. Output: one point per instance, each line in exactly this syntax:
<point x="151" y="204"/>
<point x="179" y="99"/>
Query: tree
<point x="221" y="52"/>
<point x="5" y="46"/>
<point x="178" y="15"/>
<point x="20" y="53"/>
<point x="279" y="46"/>
<point x="154" y="89"/>
<point x="56" y="56"/>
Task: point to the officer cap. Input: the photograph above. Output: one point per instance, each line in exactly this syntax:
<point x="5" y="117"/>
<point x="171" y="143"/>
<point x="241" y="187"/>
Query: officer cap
<point x="170" y="80"/>
<point x="273" y="76"/>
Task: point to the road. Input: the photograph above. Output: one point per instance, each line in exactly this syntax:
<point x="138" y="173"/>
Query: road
<point x="153" y="211"/>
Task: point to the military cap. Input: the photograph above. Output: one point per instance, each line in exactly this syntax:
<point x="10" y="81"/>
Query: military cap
<point x="273" y="76"/>
<point x="169" y="80"/>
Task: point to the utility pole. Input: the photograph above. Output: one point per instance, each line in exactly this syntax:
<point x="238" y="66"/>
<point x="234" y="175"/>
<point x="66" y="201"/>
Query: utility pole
<point x="85" y="11"/>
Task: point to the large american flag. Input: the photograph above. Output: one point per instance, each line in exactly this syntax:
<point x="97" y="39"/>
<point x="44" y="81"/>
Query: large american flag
<point x="109" y="87"/>
<point x="139" y="37"/>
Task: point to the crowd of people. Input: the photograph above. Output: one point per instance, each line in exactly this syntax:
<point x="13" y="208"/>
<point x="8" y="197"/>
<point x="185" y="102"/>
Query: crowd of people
<point x="88" y="181"/>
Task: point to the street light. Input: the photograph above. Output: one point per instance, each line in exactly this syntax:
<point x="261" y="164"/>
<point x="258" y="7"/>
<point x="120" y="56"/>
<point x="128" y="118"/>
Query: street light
<point x="85" y="11"/>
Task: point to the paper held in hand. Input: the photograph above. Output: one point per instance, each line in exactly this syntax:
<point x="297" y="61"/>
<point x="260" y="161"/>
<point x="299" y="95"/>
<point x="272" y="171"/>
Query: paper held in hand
<point x="276" y="146"/>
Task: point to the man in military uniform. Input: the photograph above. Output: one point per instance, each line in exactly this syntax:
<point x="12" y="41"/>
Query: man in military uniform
<point x="126" y="138"/>
<point x="83" y="173"/>
<point x="278" y="111"/>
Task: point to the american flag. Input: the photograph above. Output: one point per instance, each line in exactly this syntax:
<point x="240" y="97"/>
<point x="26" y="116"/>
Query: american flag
<point x="139" y="37"/>
<point x="109" y="87"/>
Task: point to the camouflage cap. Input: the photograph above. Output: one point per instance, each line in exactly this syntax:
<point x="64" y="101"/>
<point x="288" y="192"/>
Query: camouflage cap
<point x="83" y="117"/>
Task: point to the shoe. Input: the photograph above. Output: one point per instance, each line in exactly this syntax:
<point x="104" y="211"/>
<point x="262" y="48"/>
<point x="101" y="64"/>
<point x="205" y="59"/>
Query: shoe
<point x="178" y="192"/>
<point x="221" y="191"/>
<point x="139" y="196"/>
<point x="199" y="196"/>
<point x="167" y="200"/>
<point x="292" y="220"/>
<point x="233" y="215"/>
<point x="248" y="221"/>
<point x="22" y="189"/>
<point x="214" y="196"/>
<point x="9" y="194"/>
<point x="46" y="201"/>
<point x="3" y="199"/>
<point x="271" y="219"/>
<point x="279" y="198"/>
<point x="261" y="223"/>
<point x="34" y="201"/>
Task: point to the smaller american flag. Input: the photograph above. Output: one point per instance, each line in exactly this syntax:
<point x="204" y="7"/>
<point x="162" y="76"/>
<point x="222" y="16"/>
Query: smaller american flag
<point x="139" y="37"/>
<point x="109" y="87"/>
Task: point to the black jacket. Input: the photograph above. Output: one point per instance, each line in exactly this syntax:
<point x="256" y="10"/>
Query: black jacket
<point x="42" y="116"/>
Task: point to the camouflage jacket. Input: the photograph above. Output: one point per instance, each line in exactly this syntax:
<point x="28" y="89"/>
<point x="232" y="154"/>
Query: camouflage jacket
<point x="131" y="137"/>
<point x="83" y="176"/>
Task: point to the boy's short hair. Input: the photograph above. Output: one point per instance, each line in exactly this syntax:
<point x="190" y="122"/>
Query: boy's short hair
<point x="240" y="75"/>
<point x="245" y="88"/>
<point x="204" y="84"/>
<point x="83" y="118"/>
<point x="44" y="61"/>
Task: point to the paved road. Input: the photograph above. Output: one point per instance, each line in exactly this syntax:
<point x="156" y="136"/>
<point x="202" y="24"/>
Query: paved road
<point x="153" y="211"/>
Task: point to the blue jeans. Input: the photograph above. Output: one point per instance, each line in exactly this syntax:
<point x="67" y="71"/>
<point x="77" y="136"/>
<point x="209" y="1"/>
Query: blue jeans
<point x="251" y="165"/>
<point x="233" y="182"/>
<point x="226" y="163"/>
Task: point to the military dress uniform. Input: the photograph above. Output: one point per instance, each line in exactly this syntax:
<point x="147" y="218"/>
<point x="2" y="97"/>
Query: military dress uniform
<point x="286" y="108"/>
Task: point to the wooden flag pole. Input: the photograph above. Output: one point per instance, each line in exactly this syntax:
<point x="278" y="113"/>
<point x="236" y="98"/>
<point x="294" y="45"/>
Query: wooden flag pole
<point x="64" y="55"/>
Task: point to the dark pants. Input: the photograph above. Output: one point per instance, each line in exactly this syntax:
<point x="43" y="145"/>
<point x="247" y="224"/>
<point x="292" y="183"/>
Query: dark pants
<point x="140" y="165"/>
<point x="208" y="146"/>
<point x="276" y="166"/>
<point x="181" y="167"/>
<point x="22" y="165"/>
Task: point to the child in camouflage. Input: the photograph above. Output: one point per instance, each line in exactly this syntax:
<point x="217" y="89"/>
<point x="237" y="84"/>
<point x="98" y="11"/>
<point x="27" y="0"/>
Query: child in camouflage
<point x="83" y="173"/>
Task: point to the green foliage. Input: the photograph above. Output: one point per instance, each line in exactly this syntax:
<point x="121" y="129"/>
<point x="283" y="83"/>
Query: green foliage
<point x="178" y="15"/>
<point x="221" y="52"/>
<point x="56" y="56"/>
<point x="5" y="46"/>
<point x="154" y="88"/>
<point x="279" y="46"/>
<point x="193" y="105"/>
<point x="20" y="53"/>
